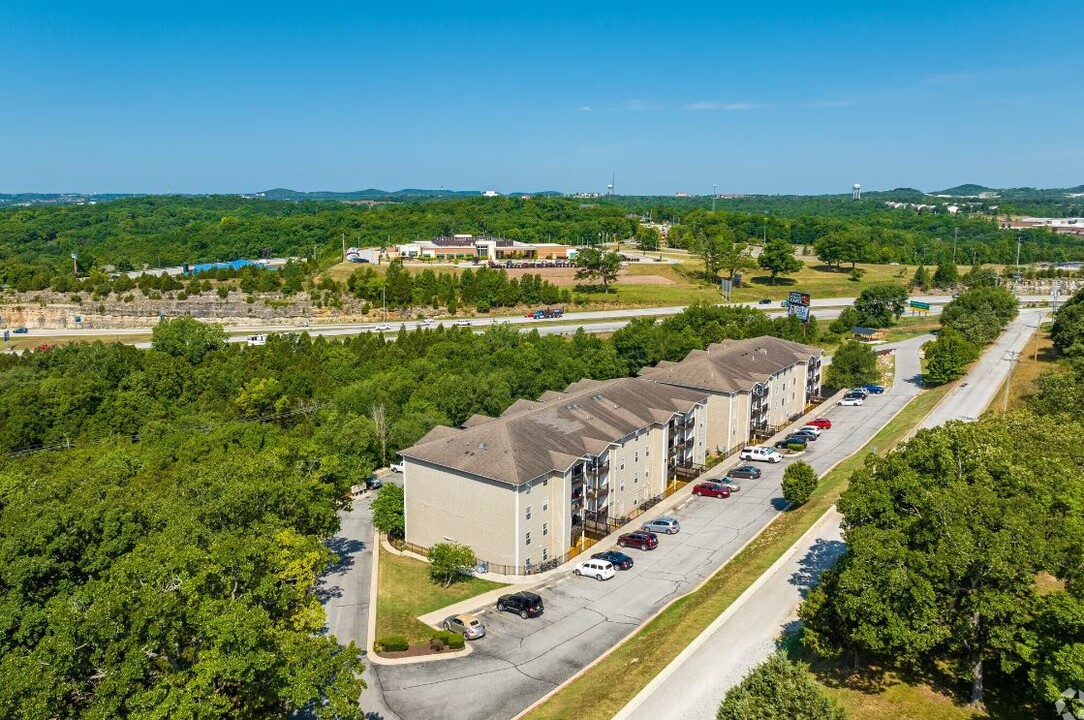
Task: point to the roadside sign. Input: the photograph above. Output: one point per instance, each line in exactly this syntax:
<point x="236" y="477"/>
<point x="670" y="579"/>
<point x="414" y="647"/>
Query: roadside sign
<point x="800" y="311"/>
<point x="916" y="305"/>
<point x="798" y="298"/>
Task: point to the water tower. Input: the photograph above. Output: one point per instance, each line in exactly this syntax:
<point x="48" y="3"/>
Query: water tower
<point x="856" y="192"/>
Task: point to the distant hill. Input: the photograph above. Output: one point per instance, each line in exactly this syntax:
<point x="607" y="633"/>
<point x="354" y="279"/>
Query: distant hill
<point x="375" y="194"/>
<point x="966" y="189"/>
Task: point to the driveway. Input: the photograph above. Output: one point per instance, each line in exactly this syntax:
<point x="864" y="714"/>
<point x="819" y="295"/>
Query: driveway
<point x="521" y="660"/>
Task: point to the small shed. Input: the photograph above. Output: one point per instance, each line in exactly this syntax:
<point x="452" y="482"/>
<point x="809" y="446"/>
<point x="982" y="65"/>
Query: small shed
<point x="868" y="335"/>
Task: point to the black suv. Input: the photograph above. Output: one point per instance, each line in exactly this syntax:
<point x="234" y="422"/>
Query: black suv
<point x="525" y="604"/>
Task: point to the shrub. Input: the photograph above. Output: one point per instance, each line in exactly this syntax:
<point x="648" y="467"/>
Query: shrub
<point x="392" y="643"/>
<point x="366" y="308"/>
<point x="799" y="482"/>
<point x="456" y="641"/>
<point x="78" y="299"/>
<point x="435" y="644"/>
<point x="796" y="447"/>
<point x="482" y="306"/>
<point x="223" y="291"/>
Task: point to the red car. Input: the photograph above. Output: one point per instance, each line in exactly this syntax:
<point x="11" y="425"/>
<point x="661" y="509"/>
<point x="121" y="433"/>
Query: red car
<point x="711" y="489"/>
<point x="640" y="539"/>
<point x="822" y="423"/>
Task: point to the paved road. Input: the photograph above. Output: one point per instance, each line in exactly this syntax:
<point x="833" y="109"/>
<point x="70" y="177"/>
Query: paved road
<point x="521" y="660"/>
<point x="693" y="685"/>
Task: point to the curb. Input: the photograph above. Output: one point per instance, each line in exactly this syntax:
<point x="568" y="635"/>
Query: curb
<point x="673" y="666"/>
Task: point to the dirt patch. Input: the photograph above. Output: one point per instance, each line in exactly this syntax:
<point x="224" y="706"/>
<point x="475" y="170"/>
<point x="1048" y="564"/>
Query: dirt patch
<point x="416" y="651"/>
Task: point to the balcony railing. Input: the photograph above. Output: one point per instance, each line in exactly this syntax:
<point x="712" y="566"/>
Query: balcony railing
<point x="597" y="492"/>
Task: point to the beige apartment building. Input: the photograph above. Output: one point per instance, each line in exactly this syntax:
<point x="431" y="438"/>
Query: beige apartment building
<point x="522" y="488"/>
<point x="754" y="385"/>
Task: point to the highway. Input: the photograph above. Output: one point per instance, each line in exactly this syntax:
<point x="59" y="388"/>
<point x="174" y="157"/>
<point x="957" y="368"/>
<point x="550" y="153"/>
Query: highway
<point x="694" y="684"/>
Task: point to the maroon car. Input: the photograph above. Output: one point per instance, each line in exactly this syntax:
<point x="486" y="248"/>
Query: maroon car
<point x="639" y="539"/>
<point x="710" y="489"/>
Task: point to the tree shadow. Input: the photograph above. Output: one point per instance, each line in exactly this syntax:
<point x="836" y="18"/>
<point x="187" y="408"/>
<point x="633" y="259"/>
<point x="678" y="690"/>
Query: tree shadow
<point x="821" y="556"/>
<point x="779" y="504"/>
<point x="345" y="550"/>
<point x="767" y="280"/>
<point x="594" y="289"/>
<point x="828" y="268"/>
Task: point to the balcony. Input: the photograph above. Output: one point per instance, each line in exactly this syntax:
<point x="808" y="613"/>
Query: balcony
<point x="598" y="468"/>
<point x="597" y="492"/>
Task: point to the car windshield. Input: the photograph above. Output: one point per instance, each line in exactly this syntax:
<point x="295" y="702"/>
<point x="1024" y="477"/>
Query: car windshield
<point x="474" y="623"/>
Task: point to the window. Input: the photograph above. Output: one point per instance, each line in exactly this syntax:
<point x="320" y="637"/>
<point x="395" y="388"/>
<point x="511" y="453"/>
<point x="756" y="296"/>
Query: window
<point x="545" y="482"/>
<point x="545" y="504"/>
<point x="636" y="478"/>
<point x="622" y="463"/>
<point x="528" y="512"/>
<point x="621" y="487"/>
<point x="636" y="456"/>
<point x="528" y="539"/>
<point x="545" y="529"/>
<point x="647" y="471"/>
<point x="528" y="486"/>
<point x="545" y="554"/>
<point x="647" y="452"/>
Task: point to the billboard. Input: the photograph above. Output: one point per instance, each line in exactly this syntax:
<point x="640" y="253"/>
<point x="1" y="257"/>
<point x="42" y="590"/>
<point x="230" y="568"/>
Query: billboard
<point x="800" y="311"/>
<point x="798" y="298"/>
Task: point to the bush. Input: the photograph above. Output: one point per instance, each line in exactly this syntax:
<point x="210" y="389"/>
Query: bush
<point x="78" y="299"/>
<point x="796" y="447"/>
<point x="392" y="643"/>
<point x="778" y="689"/>
<point x="223" y="291"/>
<point x="366" y="308"/>
<point x="799" y="482"/>
<point x="948" y="356"/>
<point x="449" y="639"/>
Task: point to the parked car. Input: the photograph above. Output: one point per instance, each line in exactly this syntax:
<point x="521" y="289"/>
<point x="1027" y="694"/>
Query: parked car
<point x="373" y="482"/>
<point x="822" y="422"/>
<point x="642" y="540"/>
<point x="765" y="301"/>
<point x="812" y="437"/>
<point x="859" y="391"/>
<point x="785" y="303"/>
<point x="663" y="524"/>
<point x="396" y="467"/>
<point x="751" y="472"/>
<point x="466" y="625"/>
<point x="874" y="389"/>
<point x="618" y="559"/>
<point x="850" y="400"/>
<point x="382" y="327"/>
<point x="525" y="604"/>
<point x="20" y="331"/>
<point x="760" y="453"/>
<point x="598" y="569"/>
<point x="785" y="443"/>
<point x="462" y="323"/>
<point x="812" y="429"/>
<point x="732" y="485"/>
<point x="711" y="489"/>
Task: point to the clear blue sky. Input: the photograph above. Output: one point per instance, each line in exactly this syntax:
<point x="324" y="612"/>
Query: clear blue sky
<point x="764" y="97"/>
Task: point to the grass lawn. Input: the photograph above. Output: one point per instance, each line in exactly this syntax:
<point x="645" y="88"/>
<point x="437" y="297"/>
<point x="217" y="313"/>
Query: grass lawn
<point x="1036" y="358"/>
<point x="404" y="591"/>
<point x="607" y="687"/>
<point x="910" y="326"/>
<point x="30" y="341"/>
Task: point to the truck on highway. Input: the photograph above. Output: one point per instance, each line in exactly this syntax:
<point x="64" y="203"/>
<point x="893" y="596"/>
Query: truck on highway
<point x="546" y="313"/>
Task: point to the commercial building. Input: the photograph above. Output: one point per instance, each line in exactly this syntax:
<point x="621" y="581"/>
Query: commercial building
<point x="460" y="247"/>
<point x="754" y="386"/>
<point x="523" y="488"/>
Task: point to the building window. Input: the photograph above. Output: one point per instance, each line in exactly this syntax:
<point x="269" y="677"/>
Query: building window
<point x="647" y="452"/>
<point x="528" y="512"/>
<point x="636" y="478"/>
<point x="622" y="463"/>
<point x="528" y="485"/>
<point x="528" y="539"/>
<point x="636" y="456"/>
<point x="621" y="487"/>
<point x="545" y="529"/>
<point x="545" y="482"/>
<point x="647" y="471"/>
<point x="545" y="554"/>
<point x="545" y="504"/>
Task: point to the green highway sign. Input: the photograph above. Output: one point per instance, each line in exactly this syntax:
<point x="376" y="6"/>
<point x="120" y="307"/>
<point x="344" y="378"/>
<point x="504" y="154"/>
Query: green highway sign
<point x="920" y="305"/>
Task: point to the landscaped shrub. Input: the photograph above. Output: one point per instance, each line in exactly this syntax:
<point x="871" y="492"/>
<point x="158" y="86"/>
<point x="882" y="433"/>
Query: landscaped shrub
<point x="392" y="643"/>
<point x="799" y="482"/>
<point x="796" y="447"/>
<point x="449" y="639"/>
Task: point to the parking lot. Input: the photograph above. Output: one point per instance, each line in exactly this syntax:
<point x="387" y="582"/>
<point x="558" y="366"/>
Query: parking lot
<point x="521" y="660"/>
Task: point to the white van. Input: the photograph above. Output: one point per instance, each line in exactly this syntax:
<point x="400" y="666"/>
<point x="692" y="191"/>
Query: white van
<point x="763" y="454"/>
<point x="598" y="569"/>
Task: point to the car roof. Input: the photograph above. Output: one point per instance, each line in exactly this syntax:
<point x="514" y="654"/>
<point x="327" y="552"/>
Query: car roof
<point x="526" y="595"/>
<point x="465" y="618"/>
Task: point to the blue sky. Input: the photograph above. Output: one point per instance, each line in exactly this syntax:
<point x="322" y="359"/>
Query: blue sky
<point x="781" y="97"/>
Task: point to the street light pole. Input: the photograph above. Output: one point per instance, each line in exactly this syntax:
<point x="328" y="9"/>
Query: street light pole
<point x="1012" y="356"/>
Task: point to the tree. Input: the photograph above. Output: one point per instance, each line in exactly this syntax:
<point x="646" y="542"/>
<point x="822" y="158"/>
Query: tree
<point x="603" y="265"/>
<point x="718" y="249"/>
<point x="947" y="357"/>
<point x="799" y="482"/>
<point x="980" y="314"/>
<point x="847" y="320"/>
<point x="777" y="257"/>
<point x="187" y="338"/>
<point x="649" y="237"/>
<point x="735" y="257"/>
<point x="449" y="562"/>
<point x="1067" y="332"/>
<point x="778" y="689"/>
<point x="853" y="364"/>
<point x="879" y="305"/>
<point x="944" y="546"/>
<point x="388" y="511"/>
<point x="946" y="276"/>
<point x="921" y="279"/>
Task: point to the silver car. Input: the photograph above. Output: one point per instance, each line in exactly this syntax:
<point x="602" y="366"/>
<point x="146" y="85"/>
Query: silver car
<point x="664" y="524"/>
<point x="466" y="625"/>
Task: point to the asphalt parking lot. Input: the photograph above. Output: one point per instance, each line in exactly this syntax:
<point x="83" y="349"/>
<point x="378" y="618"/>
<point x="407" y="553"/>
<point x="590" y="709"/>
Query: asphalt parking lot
<point x="521" y="660"/>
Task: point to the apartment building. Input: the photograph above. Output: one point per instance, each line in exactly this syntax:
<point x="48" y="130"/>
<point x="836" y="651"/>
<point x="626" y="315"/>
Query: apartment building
<point x="754" y="385"/>
<point x="522" y="488"/>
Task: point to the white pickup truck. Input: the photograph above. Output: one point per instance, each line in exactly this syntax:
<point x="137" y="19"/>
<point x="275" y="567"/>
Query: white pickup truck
<point x="763" y="454"/>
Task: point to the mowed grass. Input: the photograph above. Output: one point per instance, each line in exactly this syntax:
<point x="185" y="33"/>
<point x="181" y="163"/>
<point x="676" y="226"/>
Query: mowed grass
<point x="1037" y="357"/>
<point x="910" y="326"/>
<point x="608" y="686"/>
<point x="404" y="592"/>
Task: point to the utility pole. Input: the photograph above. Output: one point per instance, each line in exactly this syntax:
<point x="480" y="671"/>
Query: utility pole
<point x="1012" y="357"/>
<point x="1019" y="242"/>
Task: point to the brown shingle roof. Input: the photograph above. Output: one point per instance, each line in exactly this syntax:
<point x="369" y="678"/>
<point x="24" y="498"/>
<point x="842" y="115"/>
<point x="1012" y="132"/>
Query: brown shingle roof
<point x="732" y="366"/>
<point x="550" y="436"/>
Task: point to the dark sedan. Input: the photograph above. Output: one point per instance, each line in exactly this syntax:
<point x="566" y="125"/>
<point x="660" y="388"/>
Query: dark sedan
<point x="791" y="441"/>
<point x="807" y="434"/>
<point x="619" y="560"/>
<point x="749" y="472"/>
<point x="642" y="540"/>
